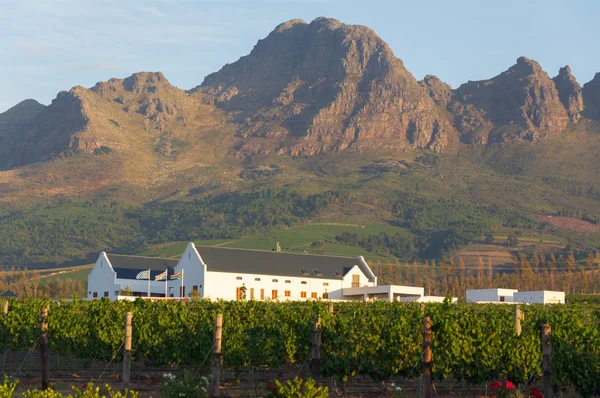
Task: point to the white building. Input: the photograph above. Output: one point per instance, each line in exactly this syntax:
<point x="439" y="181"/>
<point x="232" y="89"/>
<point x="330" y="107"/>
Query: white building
<point x="514" y="296"/>
<point x="230" y="274"/>
<point x="540" y="297"/>
<point x="490" y="295"/>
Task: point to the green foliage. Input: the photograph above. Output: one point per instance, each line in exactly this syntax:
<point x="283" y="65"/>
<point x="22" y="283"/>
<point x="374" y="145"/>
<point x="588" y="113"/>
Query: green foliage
<point x="65" y="232"/>
<point x="512" y="240"/>
<point x="297" y="388"/>
<point x="472" y="342"/>
<point x="489" y="238"/>
<point x="91" y="391"/>
<point x="444" y="226"/>
<point x="383" y="244"/>
<point x="231" y="215"/>
<point x="188" y="385"/>
<point x="8" y="386"/>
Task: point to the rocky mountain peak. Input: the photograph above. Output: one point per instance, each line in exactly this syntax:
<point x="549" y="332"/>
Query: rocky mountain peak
<point x="591" y="97"/>
<point x="569" y="92"/>
<point x="521" y="103"/>
<point x="325" y="86"/>
<point x="439" y="91"/>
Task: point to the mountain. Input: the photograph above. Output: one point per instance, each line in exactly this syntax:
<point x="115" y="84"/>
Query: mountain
<point x="320" y="122"/>
<point x="310" y="88"/>
<point x="520" y="104"/>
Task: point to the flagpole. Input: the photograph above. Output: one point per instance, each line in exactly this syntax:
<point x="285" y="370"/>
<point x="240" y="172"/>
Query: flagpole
<point x="149" y="284"/>
<point x="182" y="292"/>
<point x="166" y="286"/>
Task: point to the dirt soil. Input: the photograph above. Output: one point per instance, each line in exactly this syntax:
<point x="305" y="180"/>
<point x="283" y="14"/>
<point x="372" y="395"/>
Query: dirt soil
<point x="569" y="223"/>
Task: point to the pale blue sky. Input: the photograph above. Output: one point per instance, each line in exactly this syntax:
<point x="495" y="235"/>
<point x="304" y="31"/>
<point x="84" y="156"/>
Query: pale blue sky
<point x="52" y="45"/>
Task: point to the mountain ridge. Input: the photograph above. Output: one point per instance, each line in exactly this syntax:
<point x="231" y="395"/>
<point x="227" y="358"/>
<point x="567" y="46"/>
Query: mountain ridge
<point x="307" y="90"/>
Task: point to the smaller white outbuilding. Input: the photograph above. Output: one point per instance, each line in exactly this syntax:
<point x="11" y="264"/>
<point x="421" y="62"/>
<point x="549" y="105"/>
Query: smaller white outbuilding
<point x="540" y="297"/>
<point x="491" y="295"/>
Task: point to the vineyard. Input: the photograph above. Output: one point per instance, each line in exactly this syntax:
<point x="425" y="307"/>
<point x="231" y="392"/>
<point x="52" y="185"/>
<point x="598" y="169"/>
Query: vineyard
<point x="472" y="343"/>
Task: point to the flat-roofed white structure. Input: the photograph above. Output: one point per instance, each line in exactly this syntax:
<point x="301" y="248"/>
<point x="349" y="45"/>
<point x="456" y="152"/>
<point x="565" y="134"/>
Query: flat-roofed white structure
<point x="384" y="292"/>
<point x="491" y="295"/>
<point x="539" y="297"/>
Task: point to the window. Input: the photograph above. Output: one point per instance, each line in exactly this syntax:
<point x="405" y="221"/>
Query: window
<point x="325" y="295"/>
<point x="288" y="293"/>
<point x="303" y="282"/>
<point x="257" y="279"/>
<point x="355" y="280"/>
<point x="89" y="292"/>
<point x="325" y="284"/>
<point x="251" y="293"/>
<point x="304" y="271"/>
<point x="275" y="280"/>
<point x="288" y="281"/>
<point x="502" y="298"/>
<point x="239" y="278"/>
<point x="273" y="294"/>
<point x="195" y="288"/>
<point x="262" y="294"/>
<point x="116" y="292"/>
<point x="313" y="295"/>
<point x="181" y="291"/>
<point x="317" y="272"/>
<point x="95" y="294"/>
<point x="303" y="294"/>
<point x="105" y="294"/>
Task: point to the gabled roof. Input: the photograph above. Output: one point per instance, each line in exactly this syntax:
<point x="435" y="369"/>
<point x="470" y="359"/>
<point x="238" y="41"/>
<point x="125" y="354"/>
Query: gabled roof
<point x="127" y="267"/>
<point x="8" y="293"/>
<point x="218" y="259"/>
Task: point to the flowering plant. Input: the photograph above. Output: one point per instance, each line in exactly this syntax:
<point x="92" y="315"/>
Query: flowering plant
<point x="504" y="389"/>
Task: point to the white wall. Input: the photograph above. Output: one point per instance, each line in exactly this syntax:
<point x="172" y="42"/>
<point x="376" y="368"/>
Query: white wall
<point x="194" y="271"/>
<point x="540" y="297"/>
<point x="224" y="285"/>
<point x="102" y="278"/>
<point x="478" y="295"/>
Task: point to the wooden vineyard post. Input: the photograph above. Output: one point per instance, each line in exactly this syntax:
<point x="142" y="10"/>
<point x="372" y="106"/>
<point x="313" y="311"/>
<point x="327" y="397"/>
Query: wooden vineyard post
<point x="547" y="357"/>
<point x="518" y="319"/>
<point x="127" y="352"/>
<point x="217" y="363"/>
<point x="5" y="307"/>
<point x="44" y="347"/>
<point x="331" y="307"/>
<point x="427" y="357"/>
<point x="316" y="349"/>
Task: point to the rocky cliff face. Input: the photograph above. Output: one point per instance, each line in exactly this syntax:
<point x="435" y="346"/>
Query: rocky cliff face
<point x="440" y="92"/>
<point x="41" y="132"/>
<point x="323" y="86"/>
<point x="591" y="98"/>
<point x="569" y="92"/>
<point x="306" y="89"/>
<point x="519" y="104"/>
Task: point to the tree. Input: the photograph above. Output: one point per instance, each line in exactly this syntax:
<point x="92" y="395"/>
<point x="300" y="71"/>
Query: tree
<point x="512" y="240"/>
<point x="126" y="291"/>
<point x="318" y="244"/>
<point x="489" y="238"/>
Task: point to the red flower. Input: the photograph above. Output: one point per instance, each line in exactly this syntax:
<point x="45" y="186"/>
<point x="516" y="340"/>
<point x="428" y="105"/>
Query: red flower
<point x="271" y="387"/>
<point x="84" y="386"/>
<point x="495" y="385"/>
<point x="509" y="385"/>
<point x="535" y="392"/>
